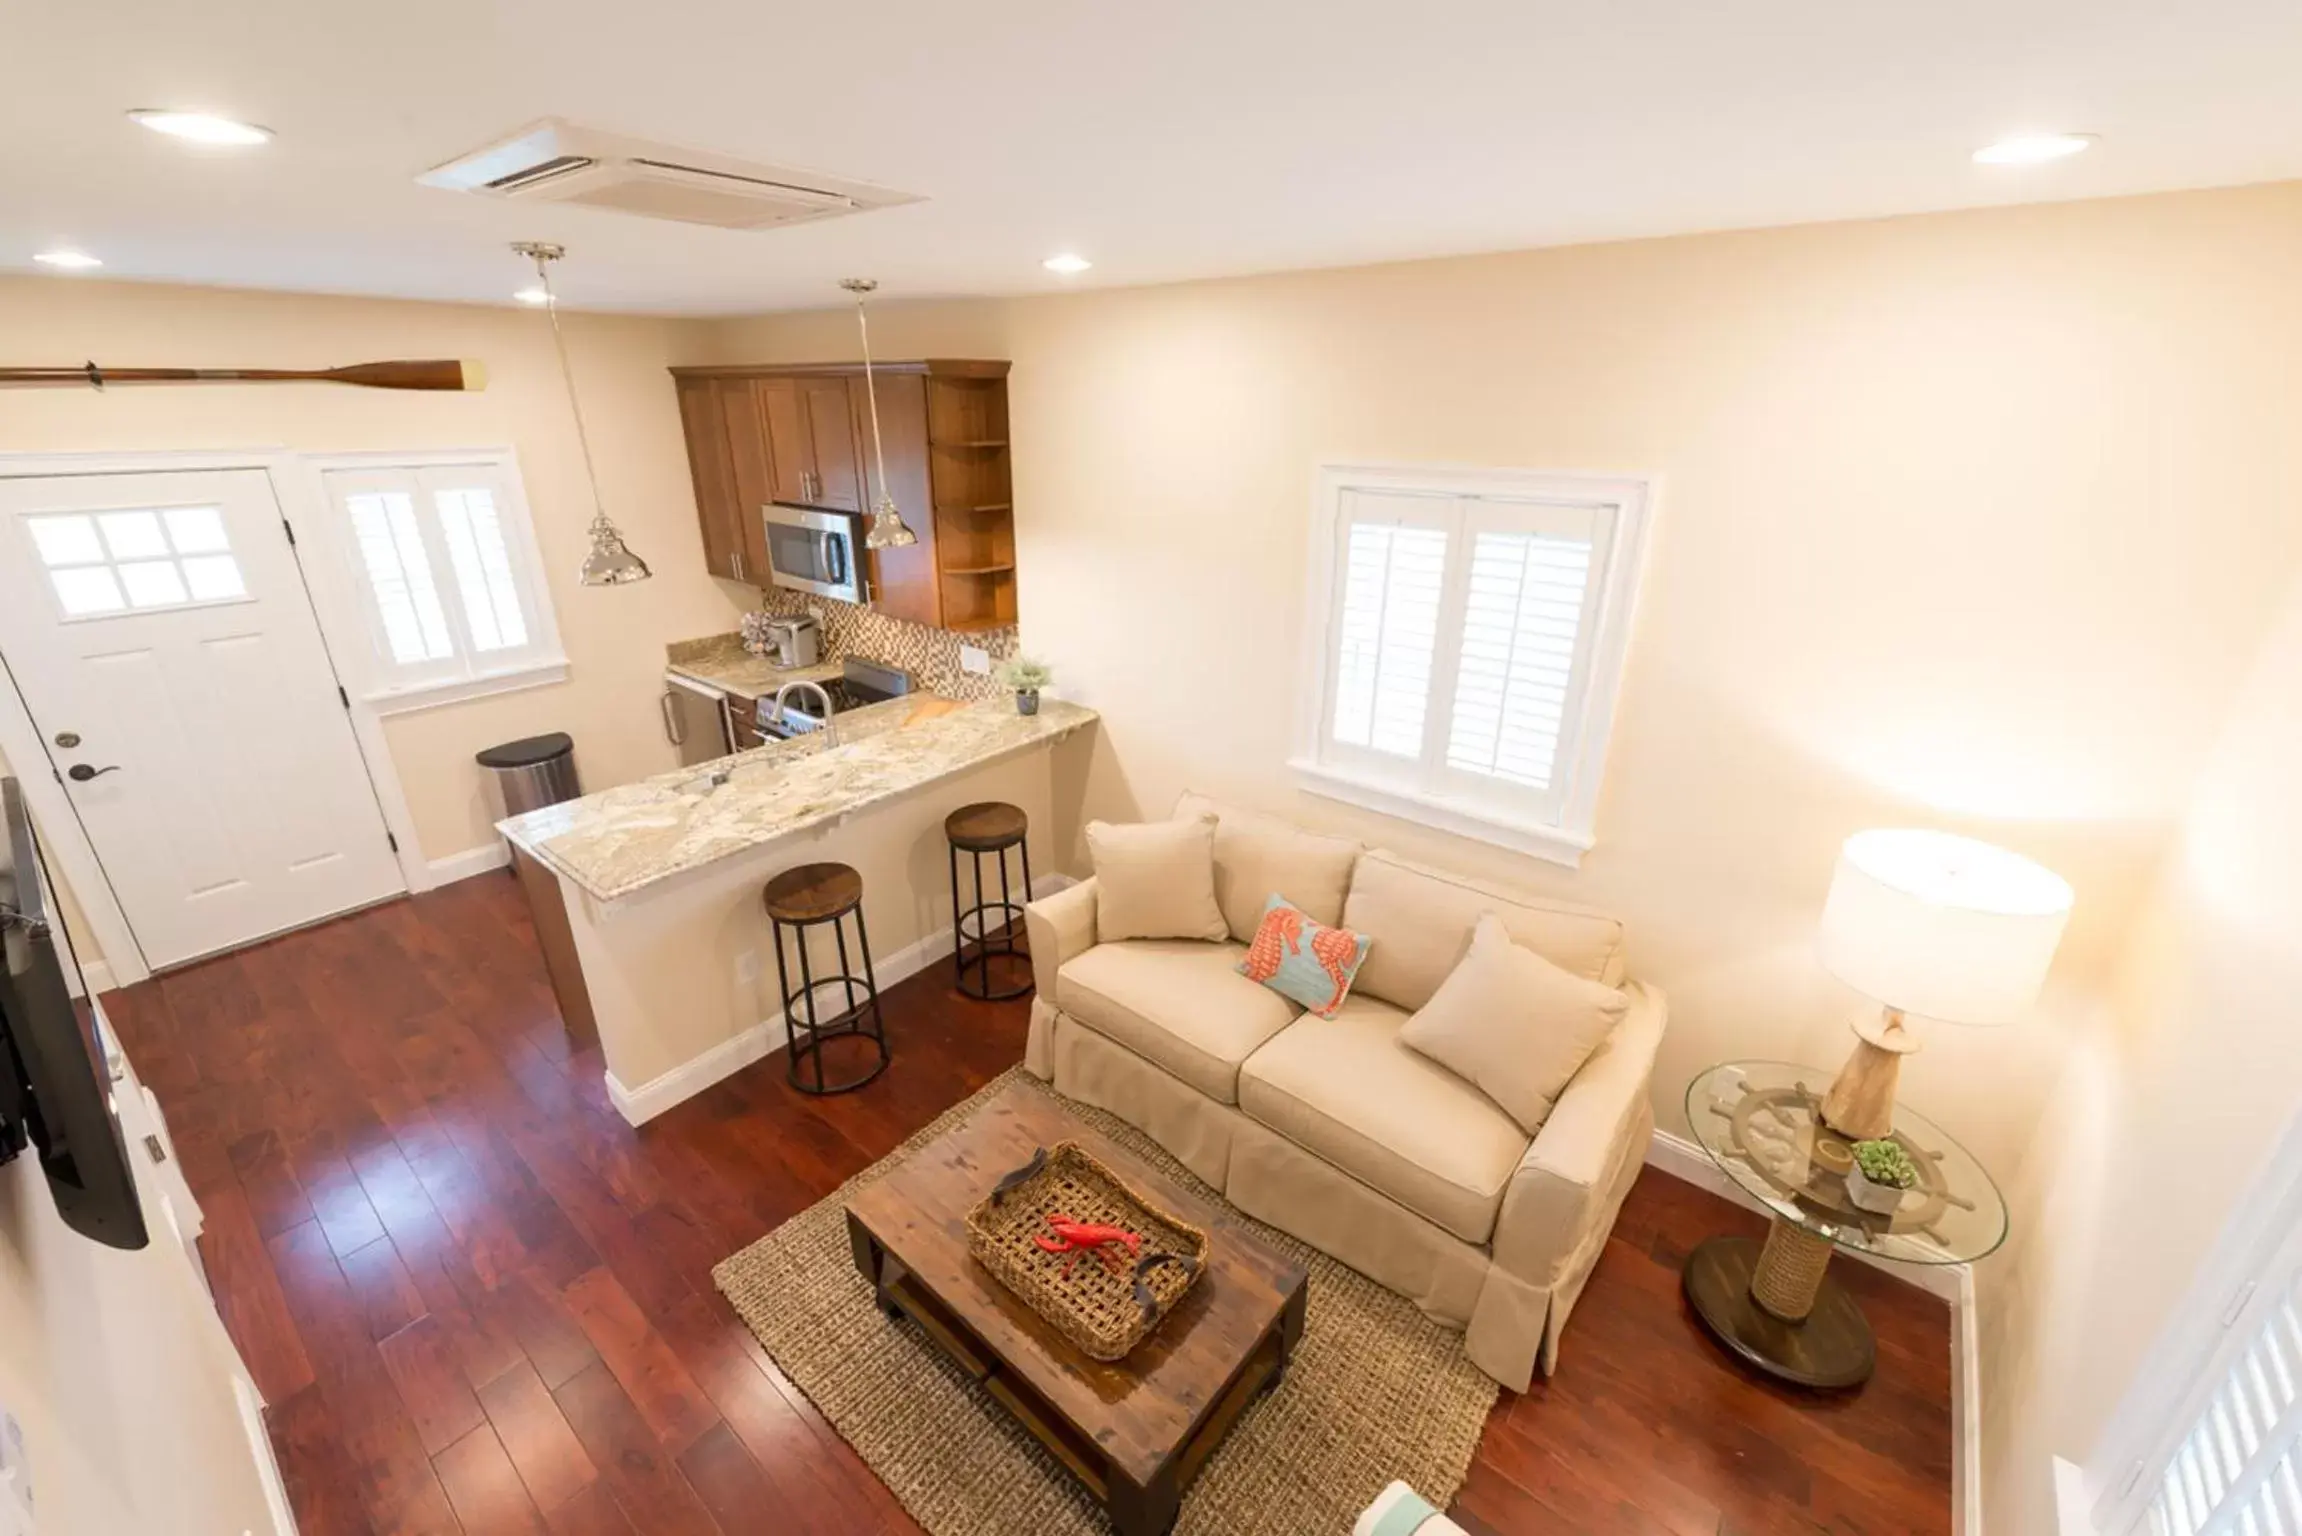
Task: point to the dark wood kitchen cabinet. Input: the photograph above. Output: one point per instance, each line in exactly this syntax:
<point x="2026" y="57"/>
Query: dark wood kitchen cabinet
<point x="727" y="457"/>
<point x="711" y="464"/>
<point x="802" y="435"/>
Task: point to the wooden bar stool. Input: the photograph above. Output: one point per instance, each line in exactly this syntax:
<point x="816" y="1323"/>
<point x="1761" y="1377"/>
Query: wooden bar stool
<point x="989" y="827"/>
<point x="804" y="898"/>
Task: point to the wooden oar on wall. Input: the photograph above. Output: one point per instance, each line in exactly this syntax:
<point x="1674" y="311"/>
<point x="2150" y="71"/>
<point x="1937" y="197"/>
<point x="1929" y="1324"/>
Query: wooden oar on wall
<point x="449" y="373"/>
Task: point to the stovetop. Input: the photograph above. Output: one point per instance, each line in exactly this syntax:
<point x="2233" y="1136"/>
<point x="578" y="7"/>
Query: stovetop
<point x="865" y="682"/>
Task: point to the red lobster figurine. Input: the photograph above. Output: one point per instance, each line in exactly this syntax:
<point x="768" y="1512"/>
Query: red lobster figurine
<point x="1078" y="1237"/>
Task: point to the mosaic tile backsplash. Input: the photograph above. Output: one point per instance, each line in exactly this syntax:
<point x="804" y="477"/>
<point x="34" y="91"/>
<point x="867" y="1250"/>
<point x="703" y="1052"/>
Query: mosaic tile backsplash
<point x="930" y="655"/>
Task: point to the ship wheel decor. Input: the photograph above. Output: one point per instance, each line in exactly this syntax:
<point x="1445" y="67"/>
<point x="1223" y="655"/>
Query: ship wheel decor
<point x="1772" y="1303"/>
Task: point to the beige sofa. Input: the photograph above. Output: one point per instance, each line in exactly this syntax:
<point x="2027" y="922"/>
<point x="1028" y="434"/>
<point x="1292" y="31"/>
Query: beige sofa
<point x="1331" y="1129"/>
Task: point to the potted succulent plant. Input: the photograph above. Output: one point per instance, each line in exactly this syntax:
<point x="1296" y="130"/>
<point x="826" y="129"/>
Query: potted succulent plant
<point x="1026" y="677"/>
<point x="1881" y="1175"/>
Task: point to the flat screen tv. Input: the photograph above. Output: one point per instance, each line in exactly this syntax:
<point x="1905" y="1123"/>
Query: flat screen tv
<point x="55" y="1080"/>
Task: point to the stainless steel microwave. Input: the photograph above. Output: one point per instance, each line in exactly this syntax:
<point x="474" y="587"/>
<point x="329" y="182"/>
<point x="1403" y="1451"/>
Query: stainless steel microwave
<point x="817" y="552"/>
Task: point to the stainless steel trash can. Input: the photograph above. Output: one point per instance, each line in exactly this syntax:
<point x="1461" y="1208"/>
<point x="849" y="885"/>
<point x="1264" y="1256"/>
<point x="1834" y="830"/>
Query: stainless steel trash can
<point x="536" y="771"/>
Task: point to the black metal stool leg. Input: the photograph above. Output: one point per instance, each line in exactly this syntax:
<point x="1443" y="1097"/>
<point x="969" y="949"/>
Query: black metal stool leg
<point x="1007" y="915"/>
<point x="871" y="979"/>
<point x="1024" y="848"/>
<point x="807" y="997"/>
<point x="783" y="991"/>
<point x="958" y="924"/>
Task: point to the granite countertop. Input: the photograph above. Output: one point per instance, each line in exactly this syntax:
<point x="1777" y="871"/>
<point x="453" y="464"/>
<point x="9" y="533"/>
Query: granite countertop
<point x="721" y="662"/>
<point x="619" y="842"/>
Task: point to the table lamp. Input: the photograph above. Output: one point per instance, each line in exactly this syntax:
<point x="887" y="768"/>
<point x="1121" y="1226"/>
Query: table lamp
<point x="1930" y="924"/>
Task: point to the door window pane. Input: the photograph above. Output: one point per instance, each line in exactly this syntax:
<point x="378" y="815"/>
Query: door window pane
<point x="66" y="540"/>
<point x="196" y="530"/>
<point x="153" y="584"/>
<point x="87" y="589"/>
<point x="213" y="578"/>
<point x="133" y="535"/>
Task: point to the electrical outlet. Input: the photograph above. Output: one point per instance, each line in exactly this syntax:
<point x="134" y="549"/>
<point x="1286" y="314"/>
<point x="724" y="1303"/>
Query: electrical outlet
<point x="974" y="658"/>
<point x="747" y="967"/>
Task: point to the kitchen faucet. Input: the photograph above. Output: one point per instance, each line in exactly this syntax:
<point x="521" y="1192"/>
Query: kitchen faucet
<point x="830" y="722"/>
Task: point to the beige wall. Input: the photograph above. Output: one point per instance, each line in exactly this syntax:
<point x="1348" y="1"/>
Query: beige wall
<point x="1970" y="520"/>
<point x="614" y="636"/>
<point x="2157" y="1130"/>
<point x="1973" y="521"/>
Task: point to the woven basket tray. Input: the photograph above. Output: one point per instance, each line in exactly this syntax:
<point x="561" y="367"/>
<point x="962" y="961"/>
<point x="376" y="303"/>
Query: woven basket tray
<point x="1104" y="1308"/>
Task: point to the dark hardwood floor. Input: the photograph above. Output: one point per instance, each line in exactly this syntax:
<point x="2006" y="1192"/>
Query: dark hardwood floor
<point x="477" y="1301"/>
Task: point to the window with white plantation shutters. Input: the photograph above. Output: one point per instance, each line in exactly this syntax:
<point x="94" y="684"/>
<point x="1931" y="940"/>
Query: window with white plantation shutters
<point x="445" y="566"/>
<point x="2235" y="1470"/>
<point x="1468" y="633"/>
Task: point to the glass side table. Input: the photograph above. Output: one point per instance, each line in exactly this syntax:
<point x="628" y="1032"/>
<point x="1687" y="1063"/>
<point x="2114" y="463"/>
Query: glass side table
<point x="1773" y="1305"/>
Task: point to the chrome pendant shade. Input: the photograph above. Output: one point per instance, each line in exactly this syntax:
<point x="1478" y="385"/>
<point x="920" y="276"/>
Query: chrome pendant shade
<point x="886" y="529"/>
<point x="610" y="562"/>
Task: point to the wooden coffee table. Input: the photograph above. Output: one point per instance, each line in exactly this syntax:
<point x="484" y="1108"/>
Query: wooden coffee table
<point x="1135" y="1431"/>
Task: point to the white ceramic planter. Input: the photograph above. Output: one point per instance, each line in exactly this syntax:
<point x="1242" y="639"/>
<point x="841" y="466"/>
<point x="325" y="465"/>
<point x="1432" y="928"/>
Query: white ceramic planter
<point x="1883" y="1199"/>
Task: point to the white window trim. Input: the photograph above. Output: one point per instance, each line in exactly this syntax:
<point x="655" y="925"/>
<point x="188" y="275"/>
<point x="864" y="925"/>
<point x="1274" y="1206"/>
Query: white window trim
<point x="547" y="661"/>
<point x="2174" y="1380"/>
<point x="1575" y="833"/>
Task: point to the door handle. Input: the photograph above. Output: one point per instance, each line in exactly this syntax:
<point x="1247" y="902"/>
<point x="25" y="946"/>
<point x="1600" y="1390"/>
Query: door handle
<point x="81" y="773"/>
<point x="739" y="565"/>
<point x="671" y="730"/>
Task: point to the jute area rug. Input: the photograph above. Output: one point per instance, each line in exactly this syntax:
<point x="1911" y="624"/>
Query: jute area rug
<point x="1376" y="1390"/>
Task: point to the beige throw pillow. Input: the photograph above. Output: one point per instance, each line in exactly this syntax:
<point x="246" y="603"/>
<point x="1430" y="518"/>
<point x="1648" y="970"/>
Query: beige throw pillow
<point x="1513" y="1024"/>
<point x="1155" y="880"/>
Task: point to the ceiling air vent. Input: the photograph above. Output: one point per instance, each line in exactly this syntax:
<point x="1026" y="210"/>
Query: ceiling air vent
<point x="561" y="162"/>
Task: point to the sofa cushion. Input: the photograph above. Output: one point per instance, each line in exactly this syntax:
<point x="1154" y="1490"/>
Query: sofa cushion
<point x="1421" y="920"/>
<point x="1258" y="857"/>
<point x="1347" y="1091"/>
<point x="1176" y="1003"/>
<point x="1514" y="1024"/>
<point x="1155" y="879"/>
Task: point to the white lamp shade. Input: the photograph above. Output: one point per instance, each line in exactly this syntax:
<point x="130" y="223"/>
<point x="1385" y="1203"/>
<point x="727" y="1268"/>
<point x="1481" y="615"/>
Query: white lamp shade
<point x="1941" y="926"/>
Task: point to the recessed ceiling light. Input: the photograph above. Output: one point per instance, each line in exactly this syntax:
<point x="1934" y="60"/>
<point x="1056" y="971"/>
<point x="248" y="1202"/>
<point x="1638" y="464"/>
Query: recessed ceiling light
<point x="1067" y="263"/>
<point x="532" y="296"/>
<point x="200" y="127"/>
<point x="70" y="261"/>
<point x="2034" y="148"/>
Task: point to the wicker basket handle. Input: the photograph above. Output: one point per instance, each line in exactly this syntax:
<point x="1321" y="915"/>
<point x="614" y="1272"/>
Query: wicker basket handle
<point x="1022" y="1175"/>
<point x="1150" y="1262"/>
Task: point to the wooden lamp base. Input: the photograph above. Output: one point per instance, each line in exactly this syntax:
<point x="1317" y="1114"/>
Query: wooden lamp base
<point x="1860" y="1104"/>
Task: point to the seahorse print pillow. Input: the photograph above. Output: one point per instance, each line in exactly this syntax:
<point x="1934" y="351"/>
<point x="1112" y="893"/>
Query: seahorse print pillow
<point x="1297" y="956"/>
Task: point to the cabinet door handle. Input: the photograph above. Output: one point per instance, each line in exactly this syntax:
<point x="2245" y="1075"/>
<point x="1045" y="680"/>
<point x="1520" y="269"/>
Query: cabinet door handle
<point x="738" y="565"/>
<point x="671" y="730"/>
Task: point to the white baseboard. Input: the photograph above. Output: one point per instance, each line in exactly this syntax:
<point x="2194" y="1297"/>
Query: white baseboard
<point x="462" y="866"/>
<point x="691" y="1077"/>
<point x="1954" y="1283"/>
<point x="96" y="975"/>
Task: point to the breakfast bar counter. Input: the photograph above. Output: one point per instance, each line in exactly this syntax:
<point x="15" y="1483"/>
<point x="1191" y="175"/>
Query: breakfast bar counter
<point x="657" y="940"/>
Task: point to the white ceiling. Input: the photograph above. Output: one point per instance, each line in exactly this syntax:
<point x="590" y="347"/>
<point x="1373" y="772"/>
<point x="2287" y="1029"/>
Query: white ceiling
<point x="1170" y="140"/>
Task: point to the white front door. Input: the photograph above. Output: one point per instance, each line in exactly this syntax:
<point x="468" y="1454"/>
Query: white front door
<point x="160" y="633"/>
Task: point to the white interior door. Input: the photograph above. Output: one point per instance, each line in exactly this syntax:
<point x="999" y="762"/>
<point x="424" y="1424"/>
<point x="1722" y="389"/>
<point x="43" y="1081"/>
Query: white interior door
<point x="160" y="633"/>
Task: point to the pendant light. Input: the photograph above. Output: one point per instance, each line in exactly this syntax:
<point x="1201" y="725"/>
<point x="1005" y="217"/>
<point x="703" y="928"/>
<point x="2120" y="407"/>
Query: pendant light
<point x="610" y="563"/>
<point x="886" y="529"/>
